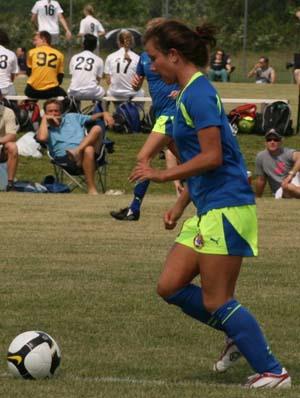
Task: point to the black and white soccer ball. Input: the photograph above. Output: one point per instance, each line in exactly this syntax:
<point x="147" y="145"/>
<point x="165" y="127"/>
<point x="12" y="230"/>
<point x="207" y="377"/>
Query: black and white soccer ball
<point x="33" y="355"/>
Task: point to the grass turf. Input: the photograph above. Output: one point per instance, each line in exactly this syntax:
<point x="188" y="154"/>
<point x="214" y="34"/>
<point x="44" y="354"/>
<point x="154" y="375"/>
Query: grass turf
<point x="89" y="281"/>
<point x="71" y="270"/>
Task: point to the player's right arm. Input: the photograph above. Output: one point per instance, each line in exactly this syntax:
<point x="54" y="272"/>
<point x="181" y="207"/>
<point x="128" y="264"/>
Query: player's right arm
<point x="173" y="215"/>
<point x="137" y="81"/>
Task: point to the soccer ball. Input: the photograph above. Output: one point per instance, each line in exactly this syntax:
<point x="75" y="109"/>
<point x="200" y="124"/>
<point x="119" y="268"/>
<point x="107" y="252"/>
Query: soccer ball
<point x="33" y="355"/>
<point x="246" y="124"/>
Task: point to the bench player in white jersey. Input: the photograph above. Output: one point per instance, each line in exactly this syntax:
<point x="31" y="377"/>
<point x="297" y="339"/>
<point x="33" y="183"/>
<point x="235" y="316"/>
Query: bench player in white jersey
<point x="86" y="69"/>
<point x="8" y="66"/>
<point x="91" y="25"/>
<point x="46" y="15"/>
<point x="120" y="67"/>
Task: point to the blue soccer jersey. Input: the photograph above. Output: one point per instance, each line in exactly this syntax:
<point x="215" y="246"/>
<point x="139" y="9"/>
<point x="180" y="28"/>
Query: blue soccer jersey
<point x="158" y="89"/>
<point x="199" y="107"/>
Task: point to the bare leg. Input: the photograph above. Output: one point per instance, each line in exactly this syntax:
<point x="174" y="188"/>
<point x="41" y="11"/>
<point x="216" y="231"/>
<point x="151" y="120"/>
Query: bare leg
<point x="180" y="268"/>
<point x="93" y="138"/>
<point x="218" y="277"/>
<point x="88" y="165"/>
<point x="11" y="154"/>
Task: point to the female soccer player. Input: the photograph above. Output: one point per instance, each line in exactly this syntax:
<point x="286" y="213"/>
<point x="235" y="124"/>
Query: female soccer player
<point x="214" y="242"/>
<point x="120" y="67"/>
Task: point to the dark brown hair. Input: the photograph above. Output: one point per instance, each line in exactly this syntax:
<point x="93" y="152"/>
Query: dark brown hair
<point x="52" y="101"/>
<point x="193" y="45"/>
<point x="45" y="36"/>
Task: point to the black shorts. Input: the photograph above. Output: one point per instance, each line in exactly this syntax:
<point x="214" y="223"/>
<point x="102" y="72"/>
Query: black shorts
<point x="44" y="94"/>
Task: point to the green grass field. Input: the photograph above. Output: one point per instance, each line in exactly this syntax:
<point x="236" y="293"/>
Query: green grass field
<point x="71" y="270"/>
<point x="68" y="269"/>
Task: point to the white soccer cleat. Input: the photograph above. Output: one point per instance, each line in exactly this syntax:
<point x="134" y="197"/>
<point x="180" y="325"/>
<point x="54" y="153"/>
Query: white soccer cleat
<point x="228" y="358"/>
<point x="269" y="380"/>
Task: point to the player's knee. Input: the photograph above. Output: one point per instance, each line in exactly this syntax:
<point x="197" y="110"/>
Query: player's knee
<point x="163" y="290"/>
<point x="11" y="148"/>
<point x="89" y="151"/>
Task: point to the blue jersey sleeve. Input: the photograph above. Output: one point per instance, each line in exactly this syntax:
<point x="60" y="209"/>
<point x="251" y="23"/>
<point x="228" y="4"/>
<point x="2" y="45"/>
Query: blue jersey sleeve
<point x="204" y="109"/>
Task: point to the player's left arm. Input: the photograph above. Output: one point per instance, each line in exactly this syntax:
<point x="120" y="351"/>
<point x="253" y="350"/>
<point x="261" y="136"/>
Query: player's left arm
<point x="60" y="74"/>
<point x="63" y="22"/>
<point x="294" y="170"/>
<point x="34" y="20"/>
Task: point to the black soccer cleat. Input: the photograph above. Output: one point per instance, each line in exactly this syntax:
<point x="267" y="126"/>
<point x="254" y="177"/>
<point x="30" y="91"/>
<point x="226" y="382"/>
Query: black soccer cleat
<point x="125" y="214"/>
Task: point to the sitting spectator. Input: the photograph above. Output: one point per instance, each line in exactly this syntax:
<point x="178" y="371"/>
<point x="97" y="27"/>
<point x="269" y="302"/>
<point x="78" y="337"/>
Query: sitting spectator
<point x="8" y="136"/>
<point x="91" y="25"/>
<point x="220" y="67"/>
<point x="263" y="72"/>
<point x="45" y="69"/>
<point x="67" y="142"/>
<point x="8" y="66"/>
<point x="86" y="69"/>
<point x="277" y="165"/>
<point x="120" y="68"/>
<point x="21" y="57"/>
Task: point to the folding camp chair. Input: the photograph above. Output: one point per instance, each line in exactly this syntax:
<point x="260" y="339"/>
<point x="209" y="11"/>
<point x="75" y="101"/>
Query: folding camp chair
<point x="74" y="176"/>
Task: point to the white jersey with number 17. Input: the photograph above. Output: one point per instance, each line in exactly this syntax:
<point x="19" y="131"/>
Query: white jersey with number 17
<point x="121" y="70"/>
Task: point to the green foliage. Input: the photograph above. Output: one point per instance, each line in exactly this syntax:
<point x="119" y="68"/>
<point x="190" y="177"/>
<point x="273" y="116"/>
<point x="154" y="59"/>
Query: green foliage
<point x="271" y="24"/>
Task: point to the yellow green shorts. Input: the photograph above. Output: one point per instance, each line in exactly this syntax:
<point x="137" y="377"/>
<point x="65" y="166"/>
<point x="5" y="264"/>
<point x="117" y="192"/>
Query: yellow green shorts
<point x="164" y="125"/>
<point x="228" y="231"/>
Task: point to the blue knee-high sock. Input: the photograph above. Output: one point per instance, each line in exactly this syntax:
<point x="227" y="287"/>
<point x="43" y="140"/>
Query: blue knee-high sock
<point x="240" y="325"/>
<point x="139" y="192"/>
<point x="189" y="299"/>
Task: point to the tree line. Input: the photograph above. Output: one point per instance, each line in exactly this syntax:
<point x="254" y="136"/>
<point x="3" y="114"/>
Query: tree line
<point x="272" y="24"/>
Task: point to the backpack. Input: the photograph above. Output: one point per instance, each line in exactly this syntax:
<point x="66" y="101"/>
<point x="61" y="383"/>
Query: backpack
<point x="277" y="115"/>
<point x="127" y="118"/>
<point x="28" y="115"/>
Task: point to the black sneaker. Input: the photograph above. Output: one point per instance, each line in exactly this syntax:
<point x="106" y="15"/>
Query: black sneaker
<point x="10" y="188"/>
<point x="125" y="214"/>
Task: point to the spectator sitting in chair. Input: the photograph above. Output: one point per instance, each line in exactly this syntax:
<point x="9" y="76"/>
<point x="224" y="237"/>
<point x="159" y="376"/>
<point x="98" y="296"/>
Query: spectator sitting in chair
<point x="220" y="67"/>
<point x="67" y="142"/>
<point x="8" y="136"/>
<point x="45" y="69"/>
<point x="279" y="166"/>
<point x="263" y="72"/>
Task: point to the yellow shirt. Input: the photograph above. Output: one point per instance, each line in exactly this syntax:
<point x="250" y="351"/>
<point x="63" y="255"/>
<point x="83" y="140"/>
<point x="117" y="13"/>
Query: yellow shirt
<point x="45" y="63"/>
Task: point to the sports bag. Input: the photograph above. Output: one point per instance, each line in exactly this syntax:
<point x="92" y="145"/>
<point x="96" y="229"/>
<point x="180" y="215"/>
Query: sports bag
<point x="127" y="118"/>
<point x="239" y="113"/>
<point x="277" y="115"/>
<point x="28" y="115"/>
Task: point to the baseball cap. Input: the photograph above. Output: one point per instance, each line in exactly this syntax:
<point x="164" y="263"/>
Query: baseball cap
<point x="272" y="133"/>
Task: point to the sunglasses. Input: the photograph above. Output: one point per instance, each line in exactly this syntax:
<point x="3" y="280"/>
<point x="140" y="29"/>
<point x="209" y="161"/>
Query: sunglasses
<point x="273" y="139"/>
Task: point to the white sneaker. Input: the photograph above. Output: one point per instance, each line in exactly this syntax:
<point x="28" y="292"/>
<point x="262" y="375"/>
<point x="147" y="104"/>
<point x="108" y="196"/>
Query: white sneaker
<point x="228" y="357"/>
<point x="269" y="380"/>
